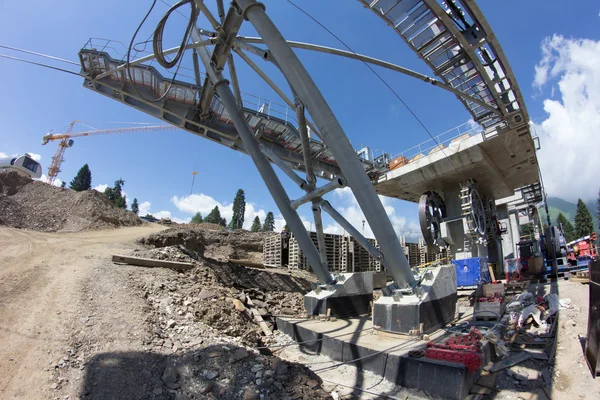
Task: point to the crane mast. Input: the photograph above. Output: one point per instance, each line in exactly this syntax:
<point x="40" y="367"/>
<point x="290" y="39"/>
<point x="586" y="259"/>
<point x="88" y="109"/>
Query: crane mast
<point x="66" y="141"/>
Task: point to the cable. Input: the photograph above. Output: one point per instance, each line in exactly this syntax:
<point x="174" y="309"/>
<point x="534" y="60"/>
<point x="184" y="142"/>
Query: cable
<point x="181" y="49"/>
<point x="159" y="31"/>
<point x="378" y="76"/>
<point x="277" y="346"/>
<point x="379" y="395"/>
<point x="40" y="64"/>
<point x="39" y="54"/>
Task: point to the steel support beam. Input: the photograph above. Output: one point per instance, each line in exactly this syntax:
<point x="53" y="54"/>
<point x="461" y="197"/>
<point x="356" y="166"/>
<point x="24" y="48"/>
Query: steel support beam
<point x="226" y="35"/>
<point x="338" y="182"/>
<point x="283" y="166"/>
<point x="264" y="167"/>
<point x="335" y="138"/>
<point x="320" y="235"/>
<point x="351" y="230"/>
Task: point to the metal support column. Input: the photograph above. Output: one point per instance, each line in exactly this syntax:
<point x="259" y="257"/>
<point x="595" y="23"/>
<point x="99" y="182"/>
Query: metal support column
<point x="351" y="230"/>
<point x="265" y="169"/>
<point x="335" y="138"/>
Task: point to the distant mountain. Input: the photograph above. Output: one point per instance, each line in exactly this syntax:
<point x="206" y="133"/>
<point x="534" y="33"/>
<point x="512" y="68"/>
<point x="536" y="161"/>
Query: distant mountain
<point x="556" y="205"/>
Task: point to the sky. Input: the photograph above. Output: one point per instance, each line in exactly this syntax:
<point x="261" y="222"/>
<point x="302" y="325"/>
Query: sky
<point x="554" y="53"/>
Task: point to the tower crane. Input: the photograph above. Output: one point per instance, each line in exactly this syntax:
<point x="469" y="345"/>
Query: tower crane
<point x="66" y="141"/>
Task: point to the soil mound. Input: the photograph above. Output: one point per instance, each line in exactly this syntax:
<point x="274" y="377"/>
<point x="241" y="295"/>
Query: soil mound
<point x="212" y="241"/>
<point x="29" y="204"/>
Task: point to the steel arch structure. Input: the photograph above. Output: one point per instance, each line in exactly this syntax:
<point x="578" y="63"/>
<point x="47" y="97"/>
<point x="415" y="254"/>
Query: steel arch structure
<point x="216" y="109"/>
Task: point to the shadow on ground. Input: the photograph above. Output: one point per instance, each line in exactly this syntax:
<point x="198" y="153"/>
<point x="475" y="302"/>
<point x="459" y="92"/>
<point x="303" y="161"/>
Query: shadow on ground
<point x="217" y="371"/>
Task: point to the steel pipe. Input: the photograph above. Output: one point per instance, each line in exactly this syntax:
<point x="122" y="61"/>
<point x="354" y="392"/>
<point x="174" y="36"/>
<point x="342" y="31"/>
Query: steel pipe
<point x="320" y="235"/>
<point x="364" y="242"/>
<point x="336" y="140"/>
<point x="374" y="61"/>
<point x="338" y="182"/>
<point x="283" y="166"/>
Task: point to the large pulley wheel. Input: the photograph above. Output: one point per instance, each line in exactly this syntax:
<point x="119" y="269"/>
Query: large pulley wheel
<point x="477" y="213"/>
<point x="491" y="219"/>
<point x="432" y="211"/>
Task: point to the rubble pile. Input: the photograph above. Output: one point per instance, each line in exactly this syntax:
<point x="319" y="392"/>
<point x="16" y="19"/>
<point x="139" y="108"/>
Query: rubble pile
<point x="182" y="301"/>
<point x="35" y="205"/>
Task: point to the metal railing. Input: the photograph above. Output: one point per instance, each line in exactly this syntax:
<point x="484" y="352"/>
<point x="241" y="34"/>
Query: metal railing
<point x="441" y="141"/>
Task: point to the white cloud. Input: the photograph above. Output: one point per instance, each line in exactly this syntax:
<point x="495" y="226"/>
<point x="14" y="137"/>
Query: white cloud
<point x="35" y="156"/>
<point x="57" y="182"/>
<point x="568" y="135"/>
<point x="204" y="204"/>
<point x="101" y="188"/>
<point x="345" y="203"/>
<point x="144" y="208"/>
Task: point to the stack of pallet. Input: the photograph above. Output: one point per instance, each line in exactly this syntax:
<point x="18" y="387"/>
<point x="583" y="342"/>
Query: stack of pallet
<point x="272" y="251"/>
<point x="333" y="249"/>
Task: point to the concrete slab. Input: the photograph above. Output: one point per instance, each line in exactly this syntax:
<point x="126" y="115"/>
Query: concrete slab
<point x="500" y="164"/>
<point x="354" y="341"/>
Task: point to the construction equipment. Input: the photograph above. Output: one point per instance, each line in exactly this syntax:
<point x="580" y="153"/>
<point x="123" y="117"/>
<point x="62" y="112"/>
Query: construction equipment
<point x="66" y="141"/>
<point x="23" y="165"/>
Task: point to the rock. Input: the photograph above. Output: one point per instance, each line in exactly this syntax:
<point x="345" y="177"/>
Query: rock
<point x="205" y="387"/>
<point x="256" y="368"/>
<point x="171" y="323"/>
<point x="54" y="386"/>
<point x="258" y="382"/>
<point x="206" y="294"/>
<point x="238" y="305"/>
<point x="258" y="374"/>
<point x="210" y="375"/>
<point x="280" y="367"/>
<point x="170" y="377"/>
<point x="269" y="373"/>
<point x="181" y="396"/>
<point x="509" y="372"/>
<point x="260" y="304"/>
<point x="249" y="394"/>
<point x="157" y="391"/>
<point x="238" y="355"/>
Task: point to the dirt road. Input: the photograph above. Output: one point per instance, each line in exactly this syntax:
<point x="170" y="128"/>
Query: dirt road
<point x="50" y="299"/>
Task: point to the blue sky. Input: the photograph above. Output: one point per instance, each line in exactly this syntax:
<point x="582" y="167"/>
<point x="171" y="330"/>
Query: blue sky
<point x="552" y="55"/>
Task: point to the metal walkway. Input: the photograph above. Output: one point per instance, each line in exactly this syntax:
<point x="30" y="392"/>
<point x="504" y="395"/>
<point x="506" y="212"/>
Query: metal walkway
<point x="276" y="129"/>
<point x="456" y="42"/>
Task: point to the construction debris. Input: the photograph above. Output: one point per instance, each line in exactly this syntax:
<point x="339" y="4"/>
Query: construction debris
<point x="35" y="205"/>
<point x="148" y="262"/>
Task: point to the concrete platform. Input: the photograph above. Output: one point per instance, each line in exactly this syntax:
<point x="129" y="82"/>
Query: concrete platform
<point x="350" y="339"/>
<point x="500" y="164"/>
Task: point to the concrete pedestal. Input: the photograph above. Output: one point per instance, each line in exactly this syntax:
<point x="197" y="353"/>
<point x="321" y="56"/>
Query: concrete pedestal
<point x="351" y="295"/>
<point x="433" y="304"/>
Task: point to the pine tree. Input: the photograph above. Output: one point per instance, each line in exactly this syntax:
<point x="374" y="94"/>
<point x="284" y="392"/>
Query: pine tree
<point x="135" y="206"/>
<point x="256" y="225"/>
<point x="214" y="217"/>
<point x="269" y="225"/>
<point x="223" y="222"/>
<point x="567" y="227"/>
<point x="197" y="219"/>
<point x="115" y="194"/>
<point x="83" y="179"/>
<point x="239" y="208"/>
<point x="584" y="224"/>
<point x="286" y="227"/>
